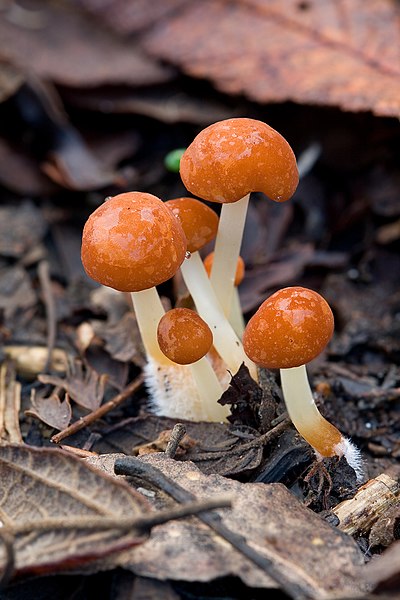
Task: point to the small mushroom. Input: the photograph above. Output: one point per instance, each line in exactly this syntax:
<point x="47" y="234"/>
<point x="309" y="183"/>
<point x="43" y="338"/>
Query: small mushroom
<point x="290" y="329"/>
<point x="199" y="222"/>
<point x="224" y="163"/>
<point x="185" y="339"/>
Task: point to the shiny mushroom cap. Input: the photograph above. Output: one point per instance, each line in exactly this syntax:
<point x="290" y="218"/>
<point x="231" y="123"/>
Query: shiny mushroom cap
<point x="183" y="336"/>
<point x="291" y="328"/>
<point x="234" y="157"/>
<point x="239" y="273"/>
<point x="132" y="242"/>
<point x="199" y="221"/>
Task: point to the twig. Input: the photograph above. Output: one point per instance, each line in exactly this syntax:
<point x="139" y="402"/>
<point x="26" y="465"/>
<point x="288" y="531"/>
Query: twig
<point x="48" y="297"/>
<point x="143" y="523"/>
<point x="135" y="467"/>
<point x="177" y="434"/>
<point x="99" y="412"/>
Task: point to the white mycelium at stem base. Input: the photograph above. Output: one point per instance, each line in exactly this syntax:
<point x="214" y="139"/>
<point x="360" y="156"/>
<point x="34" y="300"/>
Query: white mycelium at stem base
<point x="291" y="328"/>
<point x="226" y="342"/>
<point x="225" y="163"/>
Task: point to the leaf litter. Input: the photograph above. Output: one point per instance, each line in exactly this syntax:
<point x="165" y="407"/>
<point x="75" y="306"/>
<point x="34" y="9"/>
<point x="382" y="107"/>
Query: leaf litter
<point x="339" y="235"/>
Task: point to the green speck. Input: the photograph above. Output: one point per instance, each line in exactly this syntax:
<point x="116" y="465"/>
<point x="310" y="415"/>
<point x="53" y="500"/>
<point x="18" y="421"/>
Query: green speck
<point x="173" y="159"/>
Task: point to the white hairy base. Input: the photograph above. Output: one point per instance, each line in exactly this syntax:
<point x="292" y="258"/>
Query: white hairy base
<point x="352" y="455"/>
<point x="173" y="392"/>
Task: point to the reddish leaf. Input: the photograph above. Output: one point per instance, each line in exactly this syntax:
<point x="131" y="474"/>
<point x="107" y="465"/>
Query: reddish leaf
<point x="337" y="53"/>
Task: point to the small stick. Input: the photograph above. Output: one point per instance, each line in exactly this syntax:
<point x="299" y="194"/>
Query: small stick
<point x="177" y="434"/>
<point x="45" y="283"/>
<point x="99" y="412"/>
<point x="135" y="467"/>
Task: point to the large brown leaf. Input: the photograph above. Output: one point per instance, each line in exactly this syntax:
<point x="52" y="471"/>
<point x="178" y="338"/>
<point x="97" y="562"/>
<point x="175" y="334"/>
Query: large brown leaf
<point x="344" y="53"/>
<point x="68" y="47"/>
<point x="48" y="498"/>
<point x="268" y="517"/>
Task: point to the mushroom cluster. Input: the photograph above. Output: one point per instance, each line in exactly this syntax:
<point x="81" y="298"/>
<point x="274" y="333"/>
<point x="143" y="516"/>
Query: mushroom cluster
<point x="134" y="242"/>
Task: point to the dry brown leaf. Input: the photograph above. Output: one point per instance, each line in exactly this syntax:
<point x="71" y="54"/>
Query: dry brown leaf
<point x="71" y="48"/>
<point x="49" y="497"/>
<point x="344" y="54"/>
<point x="53" y="411"/>
<point x="83" y="384"/>
<point x="270" y="519"/>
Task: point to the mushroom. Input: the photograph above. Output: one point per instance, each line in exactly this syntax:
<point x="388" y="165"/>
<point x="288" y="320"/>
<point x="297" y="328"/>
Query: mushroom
<point x="185" y="339"/>
<point x="290" y="329"/>
<point x="132" y="243"/>
<point x="224" y="163"/>
<point x="199" y="223"/>
<point x="235" y="315"/>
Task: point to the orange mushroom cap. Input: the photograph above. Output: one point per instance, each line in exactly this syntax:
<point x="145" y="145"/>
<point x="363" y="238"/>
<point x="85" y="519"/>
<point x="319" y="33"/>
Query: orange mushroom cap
<point x="132" y="242"/>
<point x="183" y="336"/>
<point x="199" y="221"/>
<point x="234" y="157"/>
<point x="291" y="328"/>
<point x="239" y="274"/>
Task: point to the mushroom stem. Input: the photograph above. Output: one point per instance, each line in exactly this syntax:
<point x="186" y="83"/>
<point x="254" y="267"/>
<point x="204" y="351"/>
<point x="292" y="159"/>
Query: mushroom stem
<point x="149" y="310"/>
<point x="304" y="414"/>
<point x="226" y="342"/>
<point x="236" y="314"/>
<point x="227" y="249"/>
<point x="312" y="426"/>
<point x="210" y="390"/>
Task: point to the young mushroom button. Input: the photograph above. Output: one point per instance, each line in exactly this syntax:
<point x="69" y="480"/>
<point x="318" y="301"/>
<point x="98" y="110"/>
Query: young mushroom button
<point x="224" y="163"/>
<point x="290" y="329"/>
<point x="185" y="339"/>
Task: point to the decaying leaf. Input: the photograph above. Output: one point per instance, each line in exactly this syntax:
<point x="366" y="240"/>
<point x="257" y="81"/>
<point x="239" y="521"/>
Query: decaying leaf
<point x="217" y="448"/>
<point x="20" y="230"/>
<point x="271" y="521"/>
<point x="122" y="338"/>
<point x="48" y="500"/>
<point x="82" y="383"/>
<point x="343" y="54"/>
<point x="52" y="410"/>
<point x="69" y="48"/>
